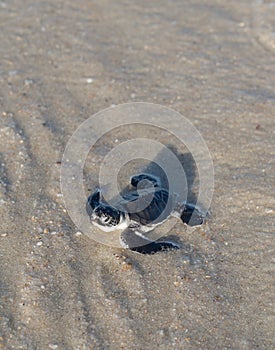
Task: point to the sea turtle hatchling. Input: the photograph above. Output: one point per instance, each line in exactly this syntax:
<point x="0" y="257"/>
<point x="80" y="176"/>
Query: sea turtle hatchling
<point x="141" y="209"/>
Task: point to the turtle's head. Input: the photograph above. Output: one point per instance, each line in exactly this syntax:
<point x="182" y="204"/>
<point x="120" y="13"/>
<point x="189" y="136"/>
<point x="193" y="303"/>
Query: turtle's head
<point x="106" y="215"/>
<point x="102" y="215"/>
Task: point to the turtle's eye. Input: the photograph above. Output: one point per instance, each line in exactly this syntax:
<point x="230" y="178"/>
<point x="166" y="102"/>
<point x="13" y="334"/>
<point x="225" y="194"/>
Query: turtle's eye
<point x="100" y="211"/>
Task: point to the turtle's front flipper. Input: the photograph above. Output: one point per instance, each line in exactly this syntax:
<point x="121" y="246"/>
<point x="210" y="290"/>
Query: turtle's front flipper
<point x="136" y="179"/>
<point x="134" y="240"/>
<point x="93" y="202"/>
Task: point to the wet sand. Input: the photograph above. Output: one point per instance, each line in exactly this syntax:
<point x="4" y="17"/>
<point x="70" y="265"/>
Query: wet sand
<point x="60" y="63"/>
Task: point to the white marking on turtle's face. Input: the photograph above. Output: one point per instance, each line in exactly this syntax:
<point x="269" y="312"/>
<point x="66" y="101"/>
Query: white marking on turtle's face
<point x="103" y="222"/>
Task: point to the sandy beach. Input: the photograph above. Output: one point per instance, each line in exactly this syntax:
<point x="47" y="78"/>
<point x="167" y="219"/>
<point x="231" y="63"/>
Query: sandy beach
<point x="63" y="61"/>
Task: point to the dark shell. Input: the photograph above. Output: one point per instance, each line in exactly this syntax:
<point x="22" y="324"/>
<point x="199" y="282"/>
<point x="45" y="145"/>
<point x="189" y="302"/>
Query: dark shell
<point x="153" y="208"/>
<point x="137" y="179"/>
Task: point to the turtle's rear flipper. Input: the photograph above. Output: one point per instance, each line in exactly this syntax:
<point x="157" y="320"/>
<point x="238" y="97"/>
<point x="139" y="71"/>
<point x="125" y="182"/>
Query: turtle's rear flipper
<point x="136" y="179"/>
<point x="133" y="240"/>
<point x="191" y="216"/>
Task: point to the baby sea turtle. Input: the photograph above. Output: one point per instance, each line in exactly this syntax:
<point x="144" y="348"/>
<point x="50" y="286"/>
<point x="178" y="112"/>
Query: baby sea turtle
<point x="141" y="209"/>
